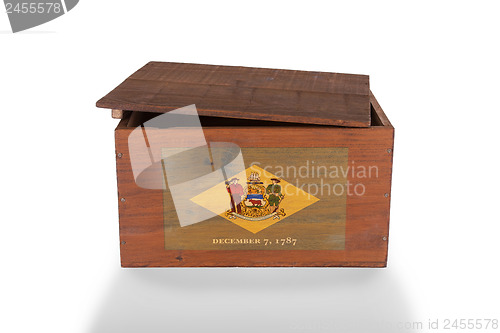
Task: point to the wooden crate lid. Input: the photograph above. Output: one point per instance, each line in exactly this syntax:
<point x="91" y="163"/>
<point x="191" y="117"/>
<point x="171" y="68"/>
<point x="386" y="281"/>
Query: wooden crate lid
<point x="246" y="93"/>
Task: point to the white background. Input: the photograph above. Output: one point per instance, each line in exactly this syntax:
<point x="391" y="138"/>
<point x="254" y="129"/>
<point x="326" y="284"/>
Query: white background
<point x="434" y="67"/>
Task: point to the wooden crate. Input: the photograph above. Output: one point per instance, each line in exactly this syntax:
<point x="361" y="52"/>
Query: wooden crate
<point x="316" y="133"/>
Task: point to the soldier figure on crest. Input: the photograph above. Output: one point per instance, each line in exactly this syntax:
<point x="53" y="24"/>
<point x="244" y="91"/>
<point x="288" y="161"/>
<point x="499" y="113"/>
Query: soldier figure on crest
<point x="274" y="195"/>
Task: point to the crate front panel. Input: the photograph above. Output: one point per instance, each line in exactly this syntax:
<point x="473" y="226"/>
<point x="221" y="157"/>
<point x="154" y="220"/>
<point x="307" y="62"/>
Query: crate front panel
<point x="360" y="239"/>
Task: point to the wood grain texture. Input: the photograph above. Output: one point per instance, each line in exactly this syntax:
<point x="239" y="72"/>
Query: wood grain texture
<point x="246" y="93"/>
<point x="367" y="226"/>
<point x="116" y="114"/>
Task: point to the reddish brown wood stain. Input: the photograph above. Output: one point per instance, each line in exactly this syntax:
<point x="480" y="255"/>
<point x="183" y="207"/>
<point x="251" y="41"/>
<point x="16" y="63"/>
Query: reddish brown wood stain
<point x="303" y="109"/>
<point x="367" y="228"/>
<point x="246" y="93"/>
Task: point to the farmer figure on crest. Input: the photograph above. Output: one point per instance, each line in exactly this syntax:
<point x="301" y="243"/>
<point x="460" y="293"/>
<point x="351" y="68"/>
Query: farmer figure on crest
<point x="236" y="192"/>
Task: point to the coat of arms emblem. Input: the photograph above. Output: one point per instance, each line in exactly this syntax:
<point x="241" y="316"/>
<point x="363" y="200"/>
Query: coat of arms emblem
<point x="257" y="201"/>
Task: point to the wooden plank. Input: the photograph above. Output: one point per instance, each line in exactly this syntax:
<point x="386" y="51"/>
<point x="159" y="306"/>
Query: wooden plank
<point x="246" y="93"/>
<point x="116" y="114"/>
<point x="367" y="227"/>
<point x="378" y="109"/>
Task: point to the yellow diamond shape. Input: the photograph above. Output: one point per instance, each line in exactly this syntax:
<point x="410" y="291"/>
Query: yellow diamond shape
<point x="255" y="214"/>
